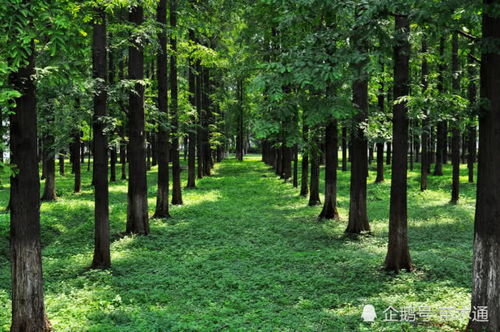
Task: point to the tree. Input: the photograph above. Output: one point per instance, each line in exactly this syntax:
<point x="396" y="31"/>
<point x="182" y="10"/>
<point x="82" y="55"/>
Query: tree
<point x="329" y="210"/>
<point x="455" y="144"/>
<point x="28" y="310"/>
<point x="137" y="211"/>
<point x="486" y="262"/>
<point x="398" y="255"/>
<point x="176" y="166"/>
<point x="162" y="209"/>
<point x="102" y="255"/>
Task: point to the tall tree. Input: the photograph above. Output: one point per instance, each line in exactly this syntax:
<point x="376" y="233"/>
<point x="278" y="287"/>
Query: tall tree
<point x="28" y="310"/>
<point x="137" y="211"/>
<point x="176" y="166"/>
<point x="424" y="165"/>
<point x="102" y="256"/>
<point x="455" y="143"/>
<point x="398" y="254"/>
<point x="358" y="216"/>
<point x="191" y="183"/>
<point x="304" y="188"/>
<point x="486" y="275"/>
<point x="162" y="208"/>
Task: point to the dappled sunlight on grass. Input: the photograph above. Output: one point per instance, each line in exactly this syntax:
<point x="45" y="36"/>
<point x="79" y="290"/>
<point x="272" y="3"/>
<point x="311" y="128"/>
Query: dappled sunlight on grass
<point x="245" y="252"/>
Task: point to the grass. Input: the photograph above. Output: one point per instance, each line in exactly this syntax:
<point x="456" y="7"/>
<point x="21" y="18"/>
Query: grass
<point x="245" y="253"/>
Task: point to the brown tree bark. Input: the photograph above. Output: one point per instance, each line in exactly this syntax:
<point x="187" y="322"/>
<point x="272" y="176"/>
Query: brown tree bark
<point x="77" y="162"/>
<point x="61" y="162"/>
<point x="314" y="182"/>
<point x="102" y="255"/>
<point x="441" y="126"/>
<point x="344" y="149"/>
<point x="486" y="275"/>
<point x="191" y="183"/>
<point x="137" y="211"/>
<point x="455" y="152"/>
<point x="304" y="187"/>
<point x="358" y="216"/>
<point x="380" y="163"/>
<point x="398" y="254"/>
<point x="162" y="208"/>
<point x="28" y="310"/>
<point x="424" y="165"/>
<point x="471" y="129"/>
<point x="49" y="190"/>
<point x="329" y="210"/>
<point x="176" y="166"/>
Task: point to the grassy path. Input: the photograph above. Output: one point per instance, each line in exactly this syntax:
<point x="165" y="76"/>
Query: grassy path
<point x="246" y="254"/>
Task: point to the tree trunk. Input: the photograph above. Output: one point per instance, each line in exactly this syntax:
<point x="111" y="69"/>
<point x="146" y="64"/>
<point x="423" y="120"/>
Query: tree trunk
<point x="486" y="275"/>
<point x="295" y="166"/>
<point x="441" y="126"/>
<point x="389" y="153"/>
<point x="102" y="255"/>
<point x="424" y="165"/>
<point x="344" y="148"/>
<point x="331" y="145"/>
<point x="137" y="211"/>
<point x="28" y="310"/>
<point x="240" y="134"/>
<point x="49" y="191"/>
<point x="398" y="255"/>
<point x="162" y="208"/>
<point x="471" y="129"/>
<point x="314" y="186"/>
<point x="112" y="162"/>
<point x="77" y="167"/>
<point x="154" y="149"/>
<point x="61" y="162"/>
<point x="358" y="217"/>
<point x="191" y="183"/>
<point x="455" y="151"/>
<point x="380" y="163"/>
<point x="304" y="187"/>
<point x="123" y="153"/>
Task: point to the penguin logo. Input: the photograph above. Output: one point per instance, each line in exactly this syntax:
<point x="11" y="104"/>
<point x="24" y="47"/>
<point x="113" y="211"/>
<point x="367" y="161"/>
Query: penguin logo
<point x="369" y="313"/>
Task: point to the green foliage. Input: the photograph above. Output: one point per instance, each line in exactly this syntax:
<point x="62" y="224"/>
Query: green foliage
<point x="246" y="253"/>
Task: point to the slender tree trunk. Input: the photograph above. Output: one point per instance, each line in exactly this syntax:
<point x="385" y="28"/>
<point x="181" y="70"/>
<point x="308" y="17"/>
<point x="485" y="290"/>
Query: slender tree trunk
<point x="49" y="190"/>
<point x="77" y="162"/>
<point x="344" y="149"/>
<point x="162" y="208"/>
<point x="28" y="310"/>
<point x="201" y="115"/>
<point x="388" y="156"/>
<point x="137" y="211"/>
<point x="191" y="183"/>
<point x="424" y="165"/>
<point x="176" y="166"/>
<point x="154" y="149"/>
<point x="455" y="188"/>
<point x="471" y="129"/>
<point x="61" y="162"/>
<point x="331" y="145"/>
<point x="295" y="166"/>
<point x="441" y="126"/>
<point x="112" y="161"/>
<point x="149" y="152"/>
<point x="240" y="133"/>
<point x="398" y="254"/>
<point x="304" y="187"/>
<point x="486" y="275"/>
<point x="380" y="163"/>
<point x="123" y="153"/>
<point x="314" y="186"/>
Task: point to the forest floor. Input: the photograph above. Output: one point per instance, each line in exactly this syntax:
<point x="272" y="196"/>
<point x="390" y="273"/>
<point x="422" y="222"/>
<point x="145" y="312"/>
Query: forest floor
<point x="245" y="253"/>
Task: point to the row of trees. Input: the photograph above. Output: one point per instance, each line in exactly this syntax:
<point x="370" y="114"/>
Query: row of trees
<point x="303" y="77"/>
<point x="153" y="83"/>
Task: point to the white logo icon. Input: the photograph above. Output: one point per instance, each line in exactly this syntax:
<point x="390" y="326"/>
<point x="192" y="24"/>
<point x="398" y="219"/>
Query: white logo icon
<point x="369" y="313"/>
